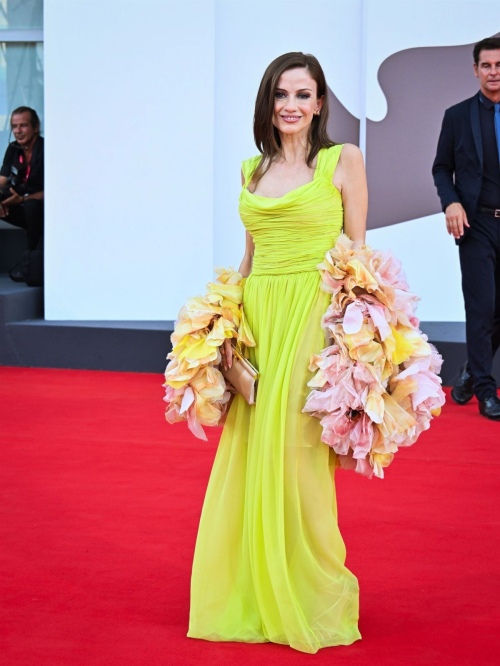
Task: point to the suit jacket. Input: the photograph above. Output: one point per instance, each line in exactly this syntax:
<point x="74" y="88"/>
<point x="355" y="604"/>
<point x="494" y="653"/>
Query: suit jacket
<point x="458" y="167"/>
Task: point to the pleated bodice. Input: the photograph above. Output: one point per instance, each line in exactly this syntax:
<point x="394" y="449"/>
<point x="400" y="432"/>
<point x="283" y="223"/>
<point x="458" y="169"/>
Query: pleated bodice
<point x="292" y="233"/>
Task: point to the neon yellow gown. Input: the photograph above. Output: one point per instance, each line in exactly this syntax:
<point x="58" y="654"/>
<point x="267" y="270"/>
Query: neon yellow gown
<point x="269" y="557"/>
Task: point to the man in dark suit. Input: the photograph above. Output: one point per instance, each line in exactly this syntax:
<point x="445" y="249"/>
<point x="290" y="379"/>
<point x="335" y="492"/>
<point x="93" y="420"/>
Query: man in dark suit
<point x="467" y="177"/>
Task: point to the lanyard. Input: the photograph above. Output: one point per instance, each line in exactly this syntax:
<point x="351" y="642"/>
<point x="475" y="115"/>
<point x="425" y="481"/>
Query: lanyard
<point x="28" y="169"/>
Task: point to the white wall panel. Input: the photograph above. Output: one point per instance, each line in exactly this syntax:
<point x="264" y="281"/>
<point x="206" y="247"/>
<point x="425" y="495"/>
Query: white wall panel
<point x="129" y="168"/>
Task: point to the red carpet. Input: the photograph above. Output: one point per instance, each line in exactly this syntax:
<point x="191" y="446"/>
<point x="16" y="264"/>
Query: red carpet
<point x="100" y="500"/>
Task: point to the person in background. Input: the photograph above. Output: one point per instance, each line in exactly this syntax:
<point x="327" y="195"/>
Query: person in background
<point x="22" y="182"/>
<point x="466" y="173"/>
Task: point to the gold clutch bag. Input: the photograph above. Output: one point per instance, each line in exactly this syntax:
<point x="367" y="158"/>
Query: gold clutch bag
<point x="242" y="376"/>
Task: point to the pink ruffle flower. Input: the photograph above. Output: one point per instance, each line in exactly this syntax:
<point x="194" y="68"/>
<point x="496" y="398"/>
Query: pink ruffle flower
<point x="377" y="385"/>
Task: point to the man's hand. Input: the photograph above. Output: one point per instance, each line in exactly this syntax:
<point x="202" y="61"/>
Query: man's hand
<point x="14" y="200"/>
<point x="456" y="219"/>
<point x="4" y="211"/>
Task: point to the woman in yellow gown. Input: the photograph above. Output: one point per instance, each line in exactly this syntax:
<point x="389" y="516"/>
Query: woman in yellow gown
<point x="269" y="557"/>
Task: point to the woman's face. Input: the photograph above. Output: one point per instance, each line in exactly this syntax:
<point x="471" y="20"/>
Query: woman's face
<point x="295" y="101"/>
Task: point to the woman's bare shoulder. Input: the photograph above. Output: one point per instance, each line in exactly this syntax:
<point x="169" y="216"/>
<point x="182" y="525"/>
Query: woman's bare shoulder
<point x="351" y="154"/>
<point x="350" y="167"/>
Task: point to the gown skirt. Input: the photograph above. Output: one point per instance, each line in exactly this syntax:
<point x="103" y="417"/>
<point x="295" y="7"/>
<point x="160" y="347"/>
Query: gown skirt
<point x="269" y="557"/>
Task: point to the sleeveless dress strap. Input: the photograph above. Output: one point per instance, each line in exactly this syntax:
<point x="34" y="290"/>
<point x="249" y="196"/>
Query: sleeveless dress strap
<point x="248" y="166"/>
<point x="329" y="161"/>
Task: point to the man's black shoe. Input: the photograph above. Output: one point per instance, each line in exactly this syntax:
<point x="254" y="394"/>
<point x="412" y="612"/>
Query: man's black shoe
<point x="19" y="272"/>
<point x="462" y="392"/>
<point x="490" y="408"/>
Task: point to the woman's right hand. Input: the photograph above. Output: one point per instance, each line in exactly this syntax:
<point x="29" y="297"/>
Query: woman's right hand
<point x="227" y="353"/>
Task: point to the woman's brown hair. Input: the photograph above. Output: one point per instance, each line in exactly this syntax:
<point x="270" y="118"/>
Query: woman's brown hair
<point x="266" y="135"/>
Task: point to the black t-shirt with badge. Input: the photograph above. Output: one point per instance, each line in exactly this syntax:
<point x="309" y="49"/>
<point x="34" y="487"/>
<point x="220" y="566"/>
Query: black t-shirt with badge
<point x="33" y="172"/>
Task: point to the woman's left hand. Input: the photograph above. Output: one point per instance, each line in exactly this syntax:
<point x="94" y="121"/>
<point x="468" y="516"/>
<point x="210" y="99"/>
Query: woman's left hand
<point x="227" y="353"/>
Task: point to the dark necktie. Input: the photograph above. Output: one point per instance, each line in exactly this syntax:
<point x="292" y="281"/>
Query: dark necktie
<point x="497" y="126"/>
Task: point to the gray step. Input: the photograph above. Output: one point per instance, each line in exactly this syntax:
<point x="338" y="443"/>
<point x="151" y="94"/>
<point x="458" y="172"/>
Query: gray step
<point x="91" y="345"/>
<point x="449" y="338"/>
<point x="26" y="339"/>
<point x="18" y="301"/>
